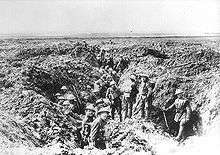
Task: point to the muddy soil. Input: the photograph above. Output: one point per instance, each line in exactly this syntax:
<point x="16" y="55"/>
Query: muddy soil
<point x="33" y="71"/>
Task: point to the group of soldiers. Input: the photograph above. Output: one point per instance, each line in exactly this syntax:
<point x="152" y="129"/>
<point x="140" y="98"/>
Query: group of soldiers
<point x="118" y="65"/>
<point x="134" y="101"/>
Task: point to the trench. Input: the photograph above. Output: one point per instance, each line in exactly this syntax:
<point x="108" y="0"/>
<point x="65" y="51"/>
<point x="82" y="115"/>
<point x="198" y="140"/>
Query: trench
<point x="79" y="70"/>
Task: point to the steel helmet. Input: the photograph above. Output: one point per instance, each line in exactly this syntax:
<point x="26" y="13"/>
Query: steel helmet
<point x="63" y="88"/>
<point x="133" y="77"/>
<point x="70" y="97"/>
<point x="66" y="102"/>
<point x="112" y="83"/>
<point x="57" y="94"/>
<point x="106" y="100"/>
<point x="104" y="109"/>
<point x="90" y="107"/>
<point x="178" y="91"/>
<point x="99" y="101"/>
<point x="143" y="75"/>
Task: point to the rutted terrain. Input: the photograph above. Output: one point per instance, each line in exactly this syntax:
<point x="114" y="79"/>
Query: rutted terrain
<point x="32" y="72"/>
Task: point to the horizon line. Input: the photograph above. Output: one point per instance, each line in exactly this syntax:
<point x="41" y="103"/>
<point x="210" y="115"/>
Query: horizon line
<point x="105" y="35"/>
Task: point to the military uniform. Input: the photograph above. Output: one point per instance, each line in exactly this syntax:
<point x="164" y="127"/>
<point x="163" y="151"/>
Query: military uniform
<point x="97" y="135"/>
<point x="98" y="86"/>
<point x="119" y="65"/>
<point x="113" y="94"/>
<point x="141" y="102"/>
<point x="183" y="110"/>
<point x="86" y="129"/>
<point x="128" y="99"/>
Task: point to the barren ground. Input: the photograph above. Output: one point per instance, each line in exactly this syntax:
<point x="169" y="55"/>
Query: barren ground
<point x="32" y="70"/>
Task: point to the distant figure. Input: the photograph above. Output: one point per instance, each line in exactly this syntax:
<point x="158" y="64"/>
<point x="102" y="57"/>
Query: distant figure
<point x="97" y="135"/>
<point x="98" y="86"/>
<point x="85" y="44"/>
<point x="183" y="112"/>
<point x="110" y="62"/>
<point x="119" y="64"/>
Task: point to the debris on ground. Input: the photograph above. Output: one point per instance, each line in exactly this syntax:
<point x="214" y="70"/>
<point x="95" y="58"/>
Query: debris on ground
<point x="32" y="72"/>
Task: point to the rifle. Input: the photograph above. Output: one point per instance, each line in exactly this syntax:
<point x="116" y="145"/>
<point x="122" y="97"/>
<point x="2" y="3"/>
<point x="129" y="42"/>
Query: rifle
<point x="164" y="115"/>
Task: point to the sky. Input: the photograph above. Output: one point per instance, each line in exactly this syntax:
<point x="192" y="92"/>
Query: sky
<point x="69" y="17"/>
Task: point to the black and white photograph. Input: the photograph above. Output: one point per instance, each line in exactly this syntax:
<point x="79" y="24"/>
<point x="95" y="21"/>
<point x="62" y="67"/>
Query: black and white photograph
<point x="109" y="77"/>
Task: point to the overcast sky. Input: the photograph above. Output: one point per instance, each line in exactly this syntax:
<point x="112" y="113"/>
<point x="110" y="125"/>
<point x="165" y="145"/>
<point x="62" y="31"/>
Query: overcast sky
<point x="66" y="17"/>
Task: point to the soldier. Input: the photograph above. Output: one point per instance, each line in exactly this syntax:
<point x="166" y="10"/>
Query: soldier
<point x="128" y="96"/>
<point x="101" y="57"/>
<point x="99" y="60"/>
<point x="115" y="76"/>
<point x="85" y="44"/>
<point x="97" y="135"/>
<point x="110" y="62"/>
<point x="57" y="97"/>
<point x="183" y="112"/>
<point x="141" y="104"/>
<point x="102" y="54"/>
<point x="119" y="64"/>
<point x="64" y="90"/>
<point x="87" y="122"/>
<point x="113" y="94"/>
<point x="97" y="87"/>
<point x="70" y="104"/>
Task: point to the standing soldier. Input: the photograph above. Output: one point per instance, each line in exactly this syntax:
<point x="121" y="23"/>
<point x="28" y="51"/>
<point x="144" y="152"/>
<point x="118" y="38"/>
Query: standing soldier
<point x="99" y="60"/>
<point x="85" y="44"/>
<point x="110" y="61"/>
<point x="141" y="104"/>
<point x="119" y="64"/>
<point x="97" y="135"/>
<point x="102" y="57"/>
<point x="98" y="86"/>
<point x="128" y="97"/>
<point x="113" y="94"/>
<point x="86" y="124"/>
<point x="183" y="112"/>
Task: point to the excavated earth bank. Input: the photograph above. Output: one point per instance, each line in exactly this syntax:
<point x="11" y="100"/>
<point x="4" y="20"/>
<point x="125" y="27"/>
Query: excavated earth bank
<point x="33" y="70"/>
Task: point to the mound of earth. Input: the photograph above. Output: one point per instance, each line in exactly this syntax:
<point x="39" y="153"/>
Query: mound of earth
<point x="33" y="71"/>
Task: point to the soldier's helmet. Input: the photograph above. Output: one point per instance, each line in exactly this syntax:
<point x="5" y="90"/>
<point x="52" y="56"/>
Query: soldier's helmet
<point x="66" y="102"/>
<point x="106" y="101"/>
<point x="88" y="87"/>
<point x="112" y="83"/>
<point x="178" y="91"/>
<point x="57" y="94"/>
<point x="90" y="107"/>
<point x="99" y="101"/>
<point x="110" y="69"/>
<point x="104" y="109"/>
<point x="70" y="97"/>
<point x="63" y="88"/>
<point x="133" y="77"/>
<point x="144" y="76"/>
